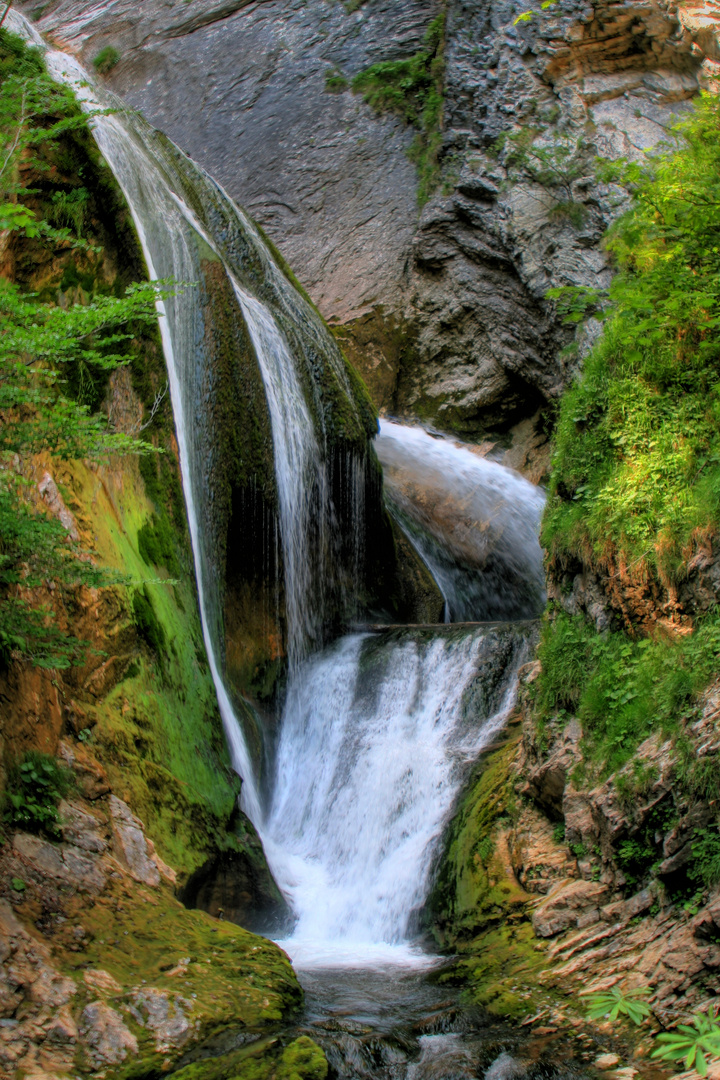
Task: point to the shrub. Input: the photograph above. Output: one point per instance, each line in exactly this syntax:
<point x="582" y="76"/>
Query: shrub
<point x="636" y="471"/>
<point x="335" y="81"/>
<point x="35" y="787"/>
<point x="706" y="856"/>
<point x="106" y="60"/>
<point x="622" y="689"/>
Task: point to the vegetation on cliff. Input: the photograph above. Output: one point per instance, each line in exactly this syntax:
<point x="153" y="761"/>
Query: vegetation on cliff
<point x="636" y="472"/>
<point x="48" y="352"/>
<point x="96" y="571"/>
<point x="413" y="89"/>
<point x="635" y="488"/>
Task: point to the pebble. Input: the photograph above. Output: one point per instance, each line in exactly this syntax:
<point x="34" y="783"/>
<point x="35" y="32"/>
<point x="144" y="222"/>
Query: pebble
<point x="606" y="1061"/>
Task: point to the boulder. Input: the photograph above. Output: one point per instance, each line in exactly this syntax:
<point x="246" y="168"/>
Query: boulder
<point x="565" y="905"/>
<point x="106" y="1035"/>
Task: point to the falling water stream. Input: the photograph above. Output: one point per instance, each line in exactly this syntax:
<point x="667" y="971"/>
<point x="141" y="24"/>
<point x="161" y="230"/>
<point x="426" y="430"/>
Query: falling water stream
<point x="379" y="730"/>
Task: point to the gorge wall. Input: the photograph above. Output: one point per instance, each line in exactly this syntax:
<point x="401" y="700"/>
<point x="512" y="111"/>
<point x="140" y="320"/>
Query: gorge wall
<point x="441" y="308"/>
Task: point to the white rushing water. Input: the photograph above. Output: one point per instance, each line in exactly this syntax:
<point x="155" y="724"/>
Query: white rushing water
<point x="474" y="522"/>
<point x="376" y="740"/>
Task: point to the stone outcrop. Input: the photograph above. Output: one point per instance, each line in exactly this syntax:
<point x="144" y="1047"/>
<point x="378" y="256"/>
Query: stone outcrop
<point x="93" y="964"/>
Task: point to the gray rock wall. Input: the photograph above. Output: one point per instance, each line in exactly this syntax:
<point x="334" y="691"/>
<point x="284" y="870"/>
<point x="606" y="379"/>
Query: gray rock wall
<point x="443" y="311"/>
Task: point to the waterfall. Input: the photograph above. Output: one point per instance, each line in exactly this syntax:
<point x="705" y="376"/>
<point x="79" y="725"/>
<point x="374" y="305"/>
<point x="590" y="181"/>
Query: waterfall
<point x="377" y="737"/>
<point x="379" y="730"/>
<point x="167" y="194"/>
<point x="474" y="522"/>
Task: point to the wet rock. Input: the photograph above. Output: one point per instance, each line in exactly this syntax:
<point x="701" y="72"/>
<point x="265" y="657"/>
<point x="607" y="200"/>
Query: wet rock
<point x="82" y="829"/>
<point x="606" y="1061"/>
<point x="91" y="776"/>
<point x="54" y="502"/>
<point x="165" y="1015"/>
<point x="108" y="1038"/>
<point x="564" y="904"/>
<point x="546" y="781"/>
<point x="61" y="861"/>
<point x="130" y="844"/>
<point x="102" y="982"/>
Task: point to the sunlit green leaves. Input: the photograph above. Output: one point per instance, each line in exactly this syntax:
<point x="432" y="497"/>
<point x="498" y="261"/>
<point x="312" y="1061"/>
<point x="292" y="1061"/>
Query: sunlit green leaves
<point x="696" y="1044"/>
<point x="611" y="1004"/>
<point x="636" y="474"/>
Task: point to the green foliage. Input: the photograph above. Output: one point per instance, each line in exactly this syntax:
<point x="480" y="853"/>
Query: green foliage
<point x="147" y="623"/>
<point x="335" y="81"/>
<point x="106" y="60"/>
<point x="554" y="161"/>
<point x="636" y="472"/>
<point x="706" y="856"/>
<point x="35" y="787"/>
<point x="526" y="16"/>
<point x="413" y="89"/>
<point x="694" y="1044"/>
<point x="613" y="1003"/>
<point x="69" y="209"/>
<point x="619" y="688"/>
<point x="54" y="364"/>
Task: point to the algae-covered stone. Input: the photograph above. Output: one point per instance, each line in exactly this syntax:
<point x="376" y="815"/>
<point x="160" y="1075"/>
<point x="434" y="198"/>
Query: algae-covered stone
<point x="302" y="1060"/>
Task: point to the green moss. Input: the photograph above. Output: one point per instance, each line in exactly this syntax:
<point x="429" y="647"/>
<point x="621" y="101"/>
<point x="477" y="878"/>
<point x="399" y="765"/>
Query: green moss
<point x="622" y="689"/>
<point x="477" y="909"/>
<point x="146" y="621"/>
<point x="471" y="890"/>
<point x="156" y="544"/>
<point x="302" y="1059"/>
<point x="219" y="975"/>
<point x="413" y="89"/>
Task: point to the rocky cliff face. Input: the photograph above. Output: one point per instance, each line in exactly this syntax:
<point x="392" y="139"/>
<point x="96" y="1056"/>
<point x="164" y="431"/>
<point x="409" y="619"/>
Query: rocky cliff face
<point x="554" y="886"/>
<point x="443" y="311"/>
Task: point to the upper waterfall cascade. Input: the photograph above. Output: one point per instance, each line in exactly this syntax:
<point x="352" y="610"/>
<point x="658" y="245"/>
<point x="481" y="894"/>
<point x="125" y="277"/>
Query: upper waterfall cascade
<point x="474" y="522"/>
<point x="378" y="732"/>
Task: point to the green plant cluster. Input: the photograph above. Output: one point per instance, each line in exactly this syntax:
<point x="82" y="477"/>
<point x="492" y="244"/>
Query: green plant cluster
<point x="554" y="163"/>
<point x="413" y="89"/>
<point x="621" y="689"/>
<point x="696" y="1044"/>
<point x="34" y="789"/>
<point x="616" y="1002"/>
<point x="106" y="60"/>
<point x="50" y="352"/>
<point x="706" y="857"/>
<point x="636" y="472"/>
